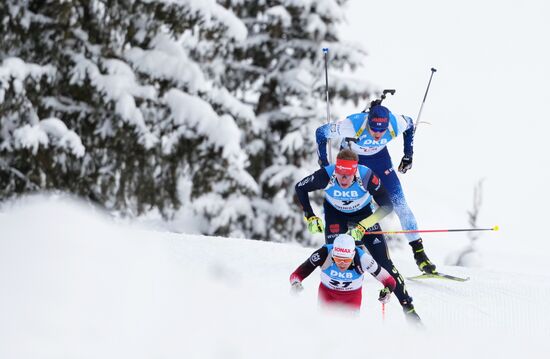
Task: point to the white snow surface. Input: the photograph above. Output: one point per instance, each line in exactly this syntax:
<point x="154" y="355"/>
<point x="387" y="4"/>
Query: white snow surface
<point x="74" y="284"/>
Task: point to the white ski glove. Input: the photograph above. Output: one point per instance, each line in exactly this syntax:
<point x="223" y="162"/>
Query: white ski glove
<point x="296" y="287"/>
<point x="385" y="295"/>
<point x="295" y="284"/>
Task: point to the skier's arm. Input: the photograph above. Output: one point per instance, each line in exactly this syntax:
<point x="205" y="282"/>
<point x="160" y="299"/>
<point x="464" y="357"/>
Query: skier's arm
<point x="377" y="271"/>
<point x="405" y="126"/>
<point x="321" y="136"/>
<point x="408" y="137"/>
<point x="340" y="129"/>
<point x="305" y="269"/>
<point x="381" y="197"/>
<point x="318" y="180"/>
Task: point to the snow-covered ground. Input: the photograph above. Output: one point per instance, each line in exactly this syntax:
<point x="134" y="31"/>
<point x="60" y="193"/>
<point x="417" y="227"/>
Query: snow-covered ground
<point x="73" y="284"/>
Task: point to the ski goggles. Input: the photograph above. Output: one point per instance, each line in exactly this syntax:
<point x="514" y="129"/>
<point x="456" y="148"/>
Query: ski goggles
<point x="378" y="130"/>
<point x="342" y="260"/>
<point x="378" y="124"/>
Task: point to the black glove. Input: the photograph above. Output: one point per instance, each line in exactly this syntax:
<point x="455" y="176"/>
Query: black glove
<point x="406" y="164"/>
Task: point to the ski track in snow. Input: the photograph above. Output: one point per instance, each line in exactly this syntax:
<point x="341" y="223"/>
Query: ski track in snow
<point x="73" y="284"/>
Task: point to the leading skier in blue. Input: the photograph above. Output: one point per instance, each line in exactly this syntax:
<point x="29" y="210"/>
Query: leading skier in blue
<point x="367" y="134"/>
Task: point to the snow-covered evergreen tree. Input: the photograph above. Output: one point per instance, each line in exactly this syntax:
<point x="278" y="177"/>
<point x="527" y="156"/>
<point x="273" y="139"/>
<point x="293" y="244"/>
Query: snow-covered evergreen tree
<point x="120" y="101"/>
<point x="284" y="78"/>
<point x="156" y="104"/>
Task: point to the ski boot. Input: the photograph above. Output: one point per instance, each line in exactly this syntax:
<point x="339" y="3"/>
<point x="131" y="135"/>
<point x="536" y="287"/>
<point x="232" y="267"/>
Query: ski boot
<point x="422" y="260"/>
<point x="410" y="314"/>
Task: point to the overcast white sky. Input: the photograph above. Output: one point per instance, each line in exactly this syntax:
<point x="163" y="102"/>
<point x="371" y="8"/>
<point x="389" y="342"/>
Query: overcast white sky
<point x="493" y="62"/>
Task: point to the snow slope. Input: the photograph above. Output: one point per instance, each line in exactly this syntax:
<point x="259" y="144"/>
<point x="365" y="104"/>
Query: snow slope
<point x="73" y="284"/>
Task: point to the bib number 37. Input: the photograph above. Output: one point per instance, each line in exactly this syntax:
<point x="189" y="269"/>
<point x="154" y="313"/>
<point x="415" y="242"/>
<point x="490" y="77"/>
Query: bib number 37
<point x="339" y="284"/>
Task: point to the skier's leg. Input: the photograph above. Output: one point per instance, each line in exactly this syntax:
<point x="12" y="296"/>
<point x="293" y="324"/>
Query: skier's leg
<point x="402" y="210"/>
<point x="383" y="168"/>
<point x="354" y="299"/>
<point x="335" y="224"/>
<point x="349" y="300"/>
<point x="408" y="222"/>
<point x="377" y="247"/>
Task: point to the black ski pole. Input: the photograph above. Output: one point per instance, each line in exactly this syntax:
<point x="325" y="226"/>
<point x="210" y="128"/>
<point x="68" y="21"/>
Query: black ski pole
<point x="424" y="100"/>
<point x="325" y="52"/>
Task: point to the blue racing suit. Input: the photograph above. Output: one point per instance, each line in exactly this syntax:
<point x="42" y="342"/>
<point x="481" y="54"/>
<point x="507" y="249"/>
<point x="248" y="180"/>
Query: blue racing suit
<point x="374" y="155"/>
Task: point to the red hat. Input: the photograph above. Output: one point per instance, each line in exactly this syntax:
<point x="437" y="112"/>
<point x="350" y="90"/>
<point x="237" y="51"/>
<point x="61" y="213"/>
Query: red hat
<point x="346" y="167"/>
